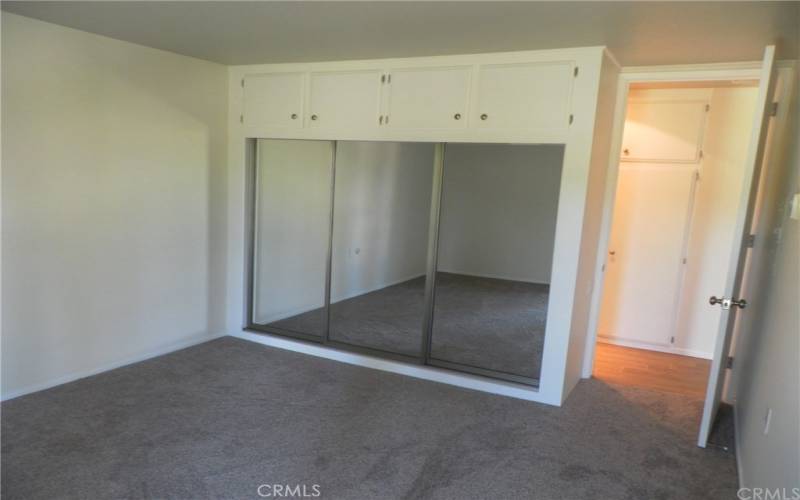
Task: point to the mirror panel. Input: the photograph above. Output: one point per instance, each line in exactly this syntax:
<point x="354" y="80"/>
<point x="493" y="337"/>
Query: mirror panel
<point x="495" y="252"/>
<point x="291" y="233"/>
<point x="380" y="241"/>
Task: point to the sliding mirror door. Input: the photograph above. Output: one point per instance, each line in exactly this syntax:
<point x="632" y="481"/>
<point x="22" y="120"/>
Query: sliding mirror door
<point x="291" y="232"/>
<point x="380" y="241"/>
<point x="495" y="253"/>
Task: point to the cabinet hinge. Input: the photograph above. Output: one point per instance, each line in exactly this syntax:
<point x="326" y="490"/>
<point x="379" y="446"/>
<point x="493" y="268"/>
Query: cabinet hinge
<point x="389" y="78"/>
<point x="700" y="154"/>
<point x="684" y="260"/>
<point x="575" y="71"/>
<point x="571" y="119"/>
<point x="774" y="110"/>
<point x="383" y="78"/>
<point x="242" y="82"/>
<point x="672" y="340"/>
<point x="380" y="120"/>
<point x="241" y="118"/>
<point x="729" y="362"/>
<point x="751" y="241"/>
<point x="708" y="108"/>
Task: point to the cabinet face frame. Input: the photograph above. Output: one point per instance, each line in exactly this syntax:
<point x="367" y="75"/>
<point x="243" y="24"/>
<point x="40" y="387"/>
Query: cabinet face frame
<point x="565" y="330"/>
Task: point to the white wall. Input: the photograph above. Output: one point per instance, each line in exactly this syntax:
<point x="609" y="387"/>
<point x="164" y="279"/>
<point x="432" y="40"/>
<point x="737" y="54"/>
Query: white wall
<point x="113" y="202"/>
<point x="381" y="215"/>
<point x="766" y="369"/>
<point x="498" y="213"/>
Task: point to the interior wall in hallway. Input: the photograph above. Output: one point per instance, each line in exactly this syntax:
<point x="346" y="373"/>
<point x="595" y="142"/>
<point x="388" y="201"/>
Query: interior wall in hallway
<point x="476" y="178"/>
<point x="113" y="203"/>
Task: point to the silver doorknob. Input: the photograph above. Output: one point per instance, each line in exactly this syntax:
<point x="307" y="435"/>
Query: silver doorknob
<point x="457" y="116"/>
<point x="484" y="116"/>
<point x="727" y="303"/>
<point x="314" y="117"/>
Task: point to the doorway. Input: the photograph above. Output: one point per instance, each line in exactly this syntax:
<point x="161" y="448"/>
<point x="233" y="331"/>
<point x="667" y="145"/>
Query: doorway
<point x="678" y="196"/>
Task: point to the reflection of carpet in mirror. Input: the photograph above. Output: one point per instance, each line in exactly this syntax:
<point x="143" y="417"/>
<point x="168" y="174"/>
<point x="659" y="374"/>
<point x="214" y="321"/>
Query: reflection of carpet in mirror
<point x="484" y="322"/>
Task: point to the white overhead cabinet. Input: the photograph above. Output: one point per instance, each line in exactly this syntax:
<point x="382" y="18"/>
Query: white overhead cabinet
<point x="664" y="131"/>
<point x="531" y="97"/>
<point x="273" y="100"/>
<point x="344" y="100"/>
<point x="427" y="98"/>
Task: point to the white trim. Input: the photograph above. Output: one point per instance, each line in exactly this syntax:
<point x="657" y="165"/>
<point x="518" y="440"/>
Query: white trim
<point x="443" y="376"/>
<point x="172" y="347"/>
<point x="494" y="277"/>
<point x="654" y="347"/>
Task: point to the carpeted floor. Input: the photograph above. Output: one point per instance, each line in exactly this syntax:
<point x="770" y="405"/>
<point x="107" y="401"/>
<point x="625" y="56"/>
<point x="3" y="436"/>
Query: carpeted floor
<point x="219" y="419"/>
<point x="484" y="322"/>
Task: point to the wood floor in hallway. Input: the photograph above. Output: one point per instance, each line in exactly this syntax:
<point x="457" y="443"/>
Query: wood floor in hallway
<point x="651" y="370"/>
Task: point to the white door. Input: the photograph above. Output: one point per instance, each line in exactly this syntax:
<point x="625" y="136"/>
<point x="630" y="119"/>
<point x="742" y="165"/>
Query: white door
<point x="646" y="251"/>
<point x="428" y="98"/>
<point x="345" y="100"/>
<point x="529" y="96"/>
<point x="755" y="156"/>
<point x="273" y="100"/>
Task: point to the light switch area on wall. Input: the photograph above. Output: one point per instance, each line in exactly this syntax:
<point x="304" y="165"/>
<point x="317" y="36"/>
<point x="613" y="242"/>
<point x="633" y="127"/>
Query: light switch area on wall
<point x="794" y="207"/>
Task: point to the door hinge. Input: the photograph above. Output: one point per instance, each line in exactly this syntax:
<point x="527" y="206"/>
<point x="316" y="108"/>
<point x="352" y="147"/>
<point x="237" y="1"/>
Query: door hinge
<point x="751" y="240"/>
<point x="684" y="260"/>
<point x="729" y="362"/>
<point x="603" y="268"/>
<point x="575" y="71"/>
<point x="389" y="78"/>
<point x="700" y="154"/>
<point x="774" y="110"/>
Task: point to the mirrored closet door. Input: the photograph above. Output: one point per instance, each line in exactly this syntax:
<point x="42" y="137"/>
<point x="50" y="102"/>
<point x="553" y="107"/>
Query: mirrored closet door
<point x="381" y="217"/>
<point x="495" y="252"/>
<point x="291" y="233"/>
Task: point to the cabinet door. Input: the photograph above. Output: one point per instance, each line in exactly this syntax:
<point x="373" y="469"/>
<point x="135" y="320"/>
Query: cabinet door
<point x="345" y="99"/>
<point x="428" y="98"/>
<point x="527" y="96"/>
<point x="273" y="100"/>
<point x="668" y="131"/>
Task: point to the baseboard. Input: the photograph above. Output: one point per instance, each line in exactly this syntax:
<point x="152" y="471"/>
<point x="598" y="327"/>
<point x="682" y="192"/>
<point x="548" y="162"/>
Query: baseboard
<point x="650" y="347"/>
<point x="433" y="374"/>
<point x="172" y="347"/>
<point x="736" y="445"/>
<point x="494" y="276"/>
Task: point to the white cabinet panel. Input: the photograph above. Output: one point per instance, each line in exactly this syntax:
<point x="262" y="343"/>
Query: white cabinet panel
<point x="665" y="131"/>
<point x="345" y="100"/>
<point x="527" y="96"/>
<point x="273" y="100"/>
<point x="428" y="98"/>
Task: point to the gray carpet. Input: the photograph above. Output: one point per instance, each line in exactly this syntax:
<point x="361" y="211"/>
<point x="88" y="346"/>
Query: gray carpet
<point x="483" y="322"/>
<point x="219" y="419"/>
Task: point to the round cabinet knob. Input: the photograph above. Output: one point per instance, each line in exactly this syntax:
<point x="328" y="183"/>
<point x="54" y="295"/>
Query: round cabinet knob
<point x="626" y="151"/>
<point x="457" y="116"/>
<point x="484" y="116"/>
<point x="314" y="117"/>
<point x="294" y="116"/>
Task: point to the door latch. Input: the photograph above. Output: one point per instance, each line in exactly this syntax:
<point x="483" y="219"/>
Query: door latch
<point x="727" y="303"/>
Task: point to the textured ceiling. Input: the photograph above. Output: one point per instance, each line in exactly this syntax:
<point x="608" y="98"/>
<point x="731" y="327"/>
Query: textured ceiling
<point x="638" y="33"/>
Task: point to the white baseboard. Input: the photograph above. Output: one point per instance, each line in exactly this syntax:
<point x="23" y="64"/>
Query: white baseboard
<point x="650" y="347"/>
<point x="494" y="276"/>
<point x="465" y="380"/>
<point x="71" y="377"/>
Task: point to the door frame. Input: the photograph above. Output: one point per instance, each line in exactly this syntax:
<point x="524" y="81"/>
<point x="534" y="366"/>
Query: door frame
<point x="627" y="77"/>
<point x="669" y="74"/>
